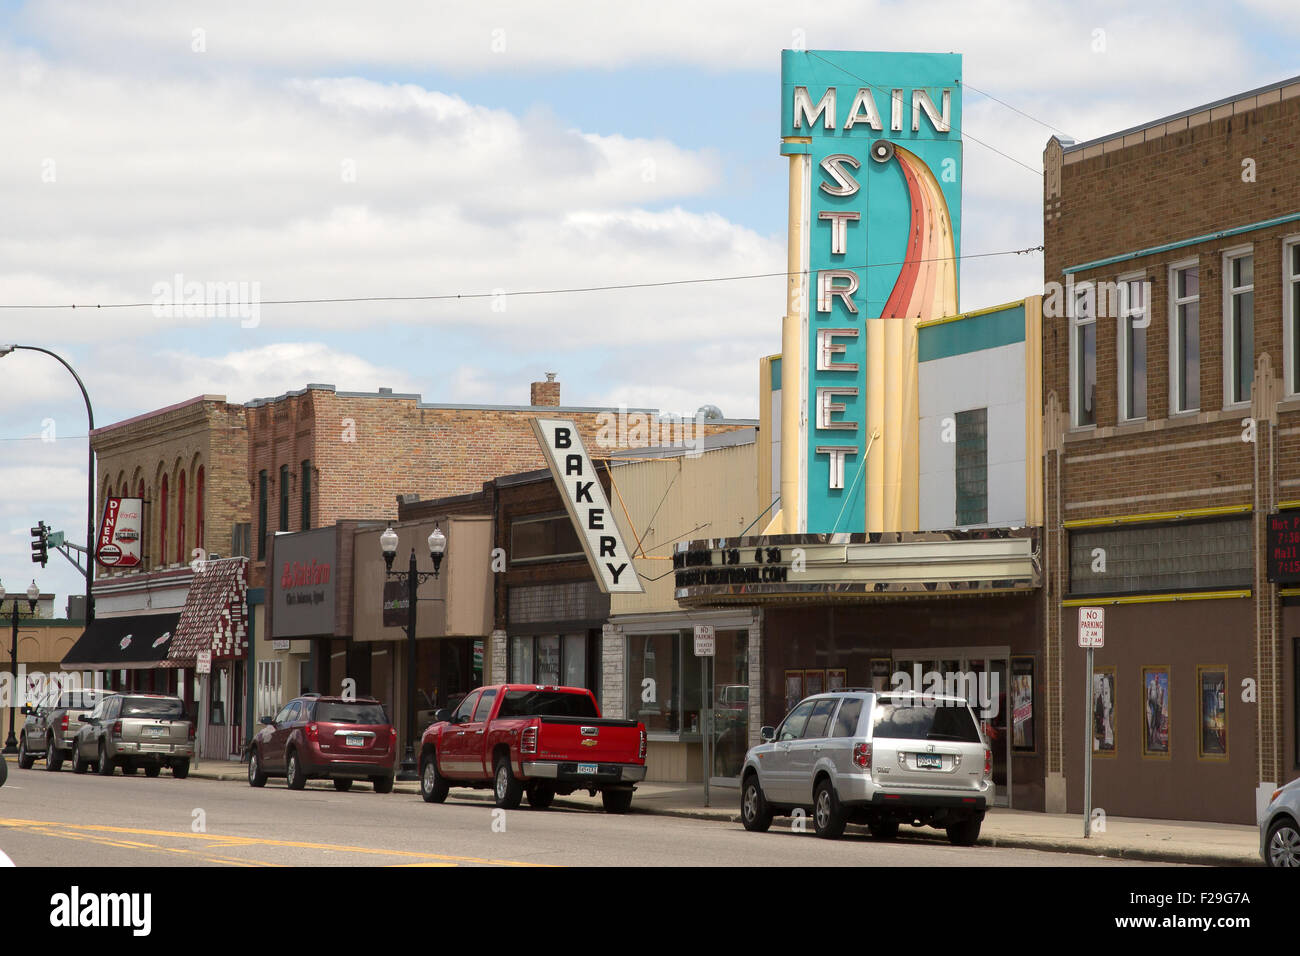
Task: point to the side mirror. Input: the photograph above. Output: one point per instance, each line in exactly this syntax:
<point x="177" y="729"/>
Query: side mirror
<point x="767" y="734"/>
<point x="26" y="711"/>
<point x="442" y="716"/>
<point x="270" y="721"/>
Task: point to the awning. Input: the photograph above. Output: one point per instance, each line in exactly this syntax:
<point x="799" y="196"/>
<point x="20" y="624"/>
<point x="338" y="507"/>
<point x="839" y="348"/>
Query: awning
<point x="137" y="642"/>
<point x="215" y="617"/>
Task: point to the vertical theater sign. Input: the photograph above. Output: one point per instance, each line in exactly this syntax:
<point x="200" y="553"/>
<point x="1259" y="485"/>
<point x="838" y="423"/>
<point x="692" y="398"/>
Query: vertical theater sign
<point x="874" y="148"/>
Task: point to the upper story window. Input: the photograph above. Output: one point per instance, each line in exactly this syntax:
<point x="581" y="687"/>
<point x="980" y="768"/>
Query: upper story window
<point x="972" y="467"/>
<point x="1185" y="337"/>
<point x="284" y="497"/>
<point x="261" y="514"/>
<point x="1291" y="313"/>
<point x="180" y="519"/>
<point x="1134" y="320"/>
<point x="162" y="521"/>
<point x="544" y="537"/>
<point x="1083" y="356"/>
<point x="305" y="487"/>
<point x="1238" y="326"/>
<point x="198" y="508"/>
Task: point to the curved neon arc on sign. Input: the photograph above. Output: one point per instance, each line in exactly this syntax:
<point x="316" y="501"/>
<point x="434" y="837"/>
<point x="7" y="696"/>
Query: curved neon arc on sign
<point x="926" y="287"/>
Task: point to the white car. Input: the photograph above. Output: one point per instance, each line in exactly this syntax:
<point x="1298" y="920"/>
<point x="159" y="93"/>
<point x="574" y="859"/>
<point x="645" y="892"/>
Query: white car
<point x="1279" y="829"/>
<point x="881" y="759"/>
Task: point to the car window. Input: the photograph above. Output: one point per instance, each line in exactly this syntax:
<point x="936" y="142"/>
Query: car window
<point x="152" y="707"/>
<point x="485" y="705"/>
<point x="283" y="716"/>
<point x="792" y="726"/>
<point x="466" y="708"/>
<point x="925" y="720"/>
<point x="350" y="712"/>
<point x="820" y="718"/>
<point x="846" y="721"/>
<point x="113" y="707"/>
<point x="545" y="703"/>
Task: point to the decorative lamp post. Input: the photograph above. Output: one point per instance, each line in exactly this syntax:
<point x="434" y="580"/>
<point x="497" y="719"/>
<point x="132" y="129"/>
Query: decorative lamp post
<point x="413" y="578"/>
<point x="33" y="595"/>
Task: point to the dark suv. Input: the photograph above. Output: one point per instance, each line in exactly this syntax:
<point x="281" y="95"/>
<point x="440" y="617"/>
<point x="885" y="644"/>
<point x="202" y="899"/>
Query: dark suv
<point x="335" y="738"/>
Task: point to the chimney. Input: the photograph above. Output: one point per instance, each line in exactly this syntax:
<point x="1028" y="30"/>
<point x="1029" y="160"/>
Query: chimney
<point x="545" y="393"/>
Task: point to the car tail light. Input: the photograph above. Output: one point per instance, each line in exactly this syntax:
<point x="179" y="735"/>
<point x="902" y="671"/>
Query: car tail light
<point x="988" y="761"/>
<point x="641" y="752"/>
<point x="191" y="726"/>
<point x="528" y="742"/>
<point x="312" y="731"/>
<point x="63" y="724"/>
<point x="117" y="728"/>
<point x="862" y="755"/>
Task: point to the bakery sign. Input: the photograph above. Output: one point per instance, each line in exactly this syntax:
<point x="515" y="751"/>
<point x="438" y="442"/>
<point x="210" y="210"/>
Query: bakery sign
<point x="118" y="543"/>
<point x="588" y="508"/>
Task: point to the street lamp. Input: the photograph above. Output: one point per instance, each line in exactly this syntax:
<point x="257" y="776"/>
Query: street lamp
<point x="413" y="578"/>
<point x="90" y="470"/>
<point x="33" y="594"/>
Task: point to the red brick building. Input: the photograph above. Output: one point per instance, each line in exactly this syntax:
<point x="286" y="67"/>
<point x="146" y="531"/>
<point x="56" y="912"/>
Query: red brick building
<point x="1172" y="431"/>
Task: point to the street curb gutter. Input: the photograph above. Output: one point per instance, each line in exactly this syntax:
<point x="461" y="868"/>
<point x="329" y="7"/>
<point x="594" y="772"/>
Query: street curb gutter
<point x="1017" y="842"/>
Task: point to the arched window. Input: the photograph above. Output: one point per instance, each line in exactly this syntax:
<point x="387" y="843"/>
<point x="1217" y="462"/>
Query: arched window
<point x="198" y="509"/>
<point x="180" y="519"/>
<point x="162" y="522"/>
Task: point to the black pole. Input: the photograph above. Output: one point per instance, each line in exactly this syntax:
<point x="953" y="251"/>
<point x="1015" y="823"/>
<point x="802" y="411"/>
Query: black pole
<point x="408" y="768"/>
<point x="11" y="742"/>
<point x="90" y="478"/>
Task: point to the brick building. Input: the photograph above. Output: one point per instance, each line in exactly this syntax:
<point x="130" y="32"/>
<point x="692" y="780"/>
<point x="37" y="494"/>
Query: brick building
<point x="1172" y="430"/>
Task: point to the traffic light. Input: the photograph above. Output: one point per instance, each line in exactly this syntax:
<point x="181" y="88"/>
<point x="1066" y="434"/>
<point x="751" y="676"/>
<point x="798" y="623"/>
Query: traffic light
<point x="40" y="544"/>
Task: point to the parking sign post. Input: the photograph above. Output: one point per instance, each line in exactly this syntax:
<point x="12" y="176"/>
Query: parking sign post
<point x="1092" y="634"/>
<point x="704" y="649"/>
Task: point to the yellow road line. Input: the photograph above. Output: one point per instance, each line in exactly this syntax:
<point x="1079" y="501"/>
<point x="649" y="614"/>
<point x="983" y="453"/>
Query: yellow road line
<point x="239" y="841"/>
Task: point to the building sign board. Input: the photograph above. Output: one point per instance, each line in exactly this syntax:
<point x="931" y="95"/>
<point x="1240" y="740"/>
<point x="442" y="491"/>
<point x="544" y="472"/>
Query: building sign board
<point x="119" y="542"/>
<point x="1284" y="547"/>
<point x="584" y="498"/>
<point x="301" y="579"/>
<point x="877" y="207"/>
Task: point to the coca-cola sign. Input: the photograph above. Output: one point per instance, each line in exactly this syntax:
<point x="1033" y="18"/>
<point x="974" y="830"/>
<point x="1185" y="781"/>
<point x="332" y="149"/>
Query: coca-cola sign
<point x="118" y="543"/>
<point x="302" y="583"/>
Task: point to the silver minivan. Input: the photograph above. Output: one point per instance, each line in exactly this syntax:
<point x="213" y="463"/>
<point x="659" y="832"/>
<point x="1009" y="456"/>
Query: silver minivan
<point x="877" y="758"/>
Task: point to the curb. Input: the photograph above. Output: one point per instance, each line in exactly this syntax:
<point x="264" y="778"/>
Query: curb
<point x="1017" y="842"/>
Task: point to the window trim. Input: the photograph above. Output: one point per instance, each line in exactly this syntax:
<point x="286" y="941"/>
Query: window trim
<point x="1076" y="387"/>
<point x="537" y="519"/>
<point x="1290" y="373"/>
<point x="1175" y="336"/>
<point x="1229" y="365"/>
<point x="1122" y="352"/>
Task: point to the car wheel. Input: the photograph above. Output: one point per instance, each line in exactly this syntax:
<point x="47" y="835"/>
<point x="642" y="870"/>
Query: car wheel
<point x="1283" y="844"/>
<point x="4" y="771"/>
<point x="616" y="801"/>
<point x="382" y="784"/>
<point x="755" y="814"/>
<point x="964" y="833"/>
<point x="828" y="816"/>
<point x="104" y="766"/>
<point x="153" y="770"/>
<point x="432" y="787"/>
<point x="540" y="795"/>
<point x="53" y="757"/>
<point x="295" y="776"/>
<point x="256" y="778"/>
<point x="506" y="788"/>
<point x="25" y="759"/>
<point x="342" y="784"/>
<point x="79" y="765"/>
<point x="181" y="769"/>
<point x="885" y="831"/>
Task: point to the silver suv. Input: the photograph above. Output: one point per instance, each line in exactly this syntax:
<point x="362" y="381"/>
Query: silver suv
<point x="133" y="731"/>
<point x="880" y="759"/>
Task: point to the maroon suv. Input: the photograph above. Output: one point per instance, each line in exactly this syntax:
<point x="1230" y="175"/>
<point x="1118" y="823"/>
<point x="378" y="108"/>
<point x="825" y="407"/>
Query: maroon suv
<point x="336" y="738"/>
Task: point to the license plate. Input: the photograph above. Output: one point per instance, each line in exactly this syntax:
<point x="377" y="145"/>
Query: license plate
<point x="929" y="761"/>
<point x="355" y="741"/>
<point x="153" y="731"/>
<point x="588" y="768"/>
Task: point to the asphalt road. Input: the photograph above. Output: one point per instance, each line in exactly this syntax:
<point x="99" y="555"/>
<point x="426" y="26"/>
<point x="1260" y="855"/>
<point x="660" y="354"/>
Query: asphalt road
<point x="68" y="819"/>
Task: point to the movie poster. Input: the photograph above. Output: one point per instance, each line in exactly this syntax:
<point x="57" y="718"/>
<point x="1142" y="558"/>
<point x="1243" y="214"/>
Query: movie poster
<point x="1104" y="740"/>
<point x="1155" y="711"/>
<point x="1022" y="703"/>
<point x="1214" y="711"/>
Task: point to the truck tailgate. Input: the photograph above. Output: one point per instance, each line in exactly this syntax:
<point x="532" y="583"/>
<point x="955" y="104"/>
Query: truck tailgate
<point x="589" y="739"/>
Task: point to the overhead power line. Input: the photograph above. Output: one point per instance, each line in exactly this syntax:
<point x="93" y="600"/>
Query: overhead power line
<point x="452" y="296"/>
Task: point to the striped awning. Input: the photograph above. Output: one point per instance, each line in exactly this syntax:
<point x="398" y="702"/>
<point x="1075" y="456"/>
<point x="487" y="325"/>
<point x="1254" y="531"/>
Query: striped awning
<point x="215" y="617"/>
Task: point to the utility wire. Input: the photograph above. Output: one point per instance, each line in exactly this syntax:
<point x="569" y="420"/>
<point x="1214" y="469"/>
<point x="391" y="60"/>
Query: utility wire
<point x="1015" y="110"/>
<point x="446" y="296"/>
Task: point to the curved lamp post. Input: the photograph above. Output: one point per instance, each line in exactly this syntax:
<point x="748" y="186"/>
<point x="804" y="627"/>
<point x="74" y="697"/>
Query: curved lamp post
<point x="413" y="577"/>
<point x="33" y="594"/>
<point x="90" y="469"/>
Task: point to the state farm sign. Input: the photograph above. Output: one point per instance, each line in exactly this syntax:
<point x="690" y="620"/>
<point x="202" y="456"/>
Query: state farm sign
<point x="302" y="587"/>
<point x="118" y="543"/>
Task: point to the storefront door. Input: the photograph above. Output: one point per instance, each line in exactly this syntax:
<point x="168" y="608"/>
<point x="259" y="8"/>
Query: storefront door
<point x="729" y="720"/>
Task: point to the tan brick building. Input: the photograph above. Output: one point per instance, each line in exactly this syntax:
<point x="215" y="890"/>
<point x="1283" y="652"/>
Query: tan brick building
<point x="1172" y="431"/>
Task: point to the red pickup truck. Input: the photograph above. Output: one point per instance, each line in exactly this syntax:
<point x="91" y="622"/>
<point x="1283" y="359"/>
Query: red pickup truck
<point x="527" y="738"/>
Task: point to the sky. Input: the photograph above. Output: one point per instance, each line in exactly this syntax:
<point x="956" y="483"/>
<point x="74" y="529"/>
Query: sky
<point x="328" y="149"/>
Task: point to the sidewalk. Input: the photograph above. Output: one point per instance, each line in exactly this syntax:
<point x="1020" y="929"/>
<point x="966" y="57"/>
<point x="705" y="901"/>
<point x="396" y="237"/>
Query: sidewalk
<point x="1163" y="841"/>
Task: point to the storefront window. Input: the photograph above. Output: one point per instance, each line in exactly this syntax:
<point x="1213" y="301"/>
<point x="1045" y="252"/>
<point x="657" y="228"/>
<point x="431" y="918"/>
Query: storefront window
<point x="548" y="660"/>
<point x="521" y="660"/>
<point x="575" y="660"/>
<point x="218" y="693"/>
<point x="653" y="671"/>
<point x="551" y="659"/>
